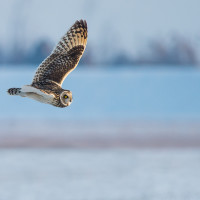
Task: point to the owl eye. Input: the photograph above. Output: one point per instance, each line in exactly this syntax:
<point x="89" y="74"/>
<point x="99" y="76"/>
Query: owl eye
<point x="65" y="96"/>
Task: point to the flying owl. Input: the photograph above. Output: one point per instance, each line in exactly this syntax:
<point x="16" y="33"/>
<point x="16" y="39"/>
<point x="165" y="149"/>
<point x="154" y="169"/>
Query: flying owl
<point x="46" y="86"/>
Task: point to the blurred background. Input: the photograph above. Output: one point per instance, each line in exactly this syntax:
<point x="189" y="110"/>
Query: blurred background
<point x="133" y="129"/>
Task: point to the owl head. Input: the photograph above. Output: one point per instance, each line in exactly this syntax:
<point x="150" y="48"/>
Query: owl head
<point x="65" y="98"/>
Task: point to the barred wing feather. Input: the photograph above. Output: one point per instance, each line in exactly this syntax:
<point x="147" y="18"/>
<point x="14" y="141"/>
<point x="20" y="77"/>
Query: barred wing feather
<point x="65" y="57"/>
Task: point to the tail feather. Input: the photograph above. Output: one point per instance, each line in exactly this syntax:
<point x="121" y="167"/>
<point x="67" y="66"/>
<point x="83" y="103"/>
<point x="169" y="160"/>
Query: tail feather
<point x="14" y="91"/>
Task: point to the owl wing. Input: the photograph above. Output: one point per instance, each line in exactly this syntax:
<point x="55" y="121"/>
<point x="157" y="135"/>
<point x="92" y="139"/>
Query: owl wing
<point x="65" y="57"/>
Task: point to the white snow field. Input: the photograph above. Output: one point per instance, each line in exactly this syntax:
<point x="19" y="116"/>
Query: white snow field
<point x="112" y="174"/>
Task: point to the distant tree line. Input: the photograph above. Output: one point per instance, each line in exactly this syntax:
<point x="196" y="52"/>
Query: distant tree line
<point x="179" y="52"/>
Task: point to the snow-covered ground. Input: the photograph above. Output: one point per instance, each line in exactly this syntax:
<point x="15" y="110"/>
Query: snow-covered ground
<point x="112" y="174"/>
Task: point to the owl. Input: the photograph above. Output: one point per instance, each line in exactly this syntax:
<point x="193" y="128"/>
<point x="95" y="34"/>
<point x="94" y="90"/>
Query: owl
<point x="46" y="86"/>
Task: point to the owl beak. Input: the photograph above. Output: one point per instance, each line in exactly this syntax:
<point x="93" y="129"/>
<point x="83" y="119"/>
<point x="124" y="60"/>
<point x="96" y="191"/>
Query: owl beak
<point x="69" y="101"/>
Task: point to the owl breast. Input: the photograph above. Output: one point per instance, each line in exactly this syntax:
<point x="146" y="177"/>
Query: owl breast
<point x="37" y="94"/>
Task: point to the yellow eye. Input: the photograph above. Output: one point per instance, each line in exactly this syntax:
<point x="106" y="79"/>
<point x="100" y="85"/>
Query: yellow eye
<point x="65" y="96"/>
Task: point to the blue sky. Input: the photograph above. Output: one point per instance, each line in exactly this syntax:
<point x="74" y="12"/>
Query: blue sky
<point x="116" y="24"/>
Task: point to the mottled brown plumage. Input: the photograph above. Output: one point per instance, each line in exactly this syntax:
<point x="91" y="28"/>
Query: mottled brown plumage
<point x="48" y="79"/>
<point x="65" y="56"/>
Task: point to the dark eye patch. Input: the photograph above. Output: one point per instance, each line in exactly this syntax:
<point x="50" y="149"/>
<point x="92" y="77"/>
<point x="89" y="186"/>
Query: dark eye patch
<point x="65" y="96"/>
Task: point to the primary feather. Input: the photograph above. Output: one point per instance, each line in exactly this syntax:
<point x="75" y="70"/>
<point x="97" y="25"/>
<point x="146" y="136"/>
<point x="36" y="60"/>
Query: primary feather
<point x="64" y="57"/>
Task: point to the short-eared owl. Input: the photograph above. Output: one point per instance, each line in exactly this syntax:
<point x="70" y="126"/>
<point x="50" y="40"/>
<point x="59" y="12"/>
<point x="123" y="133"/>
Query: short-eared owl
<point x="48" y="79"/>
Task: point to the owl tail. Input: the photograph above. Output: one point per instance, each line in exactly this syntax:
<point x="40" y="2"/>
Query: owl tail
<point x="14" y="91"/>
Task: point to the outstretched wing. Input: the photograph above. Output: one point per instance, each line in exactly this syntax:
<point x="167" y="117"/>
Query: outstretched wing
<point x="65" y="57"/>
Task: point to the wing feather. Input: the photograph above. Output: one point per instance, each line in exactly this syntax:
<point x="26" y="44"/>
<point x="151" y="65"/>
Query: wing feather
<point x="65" y="57"/>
